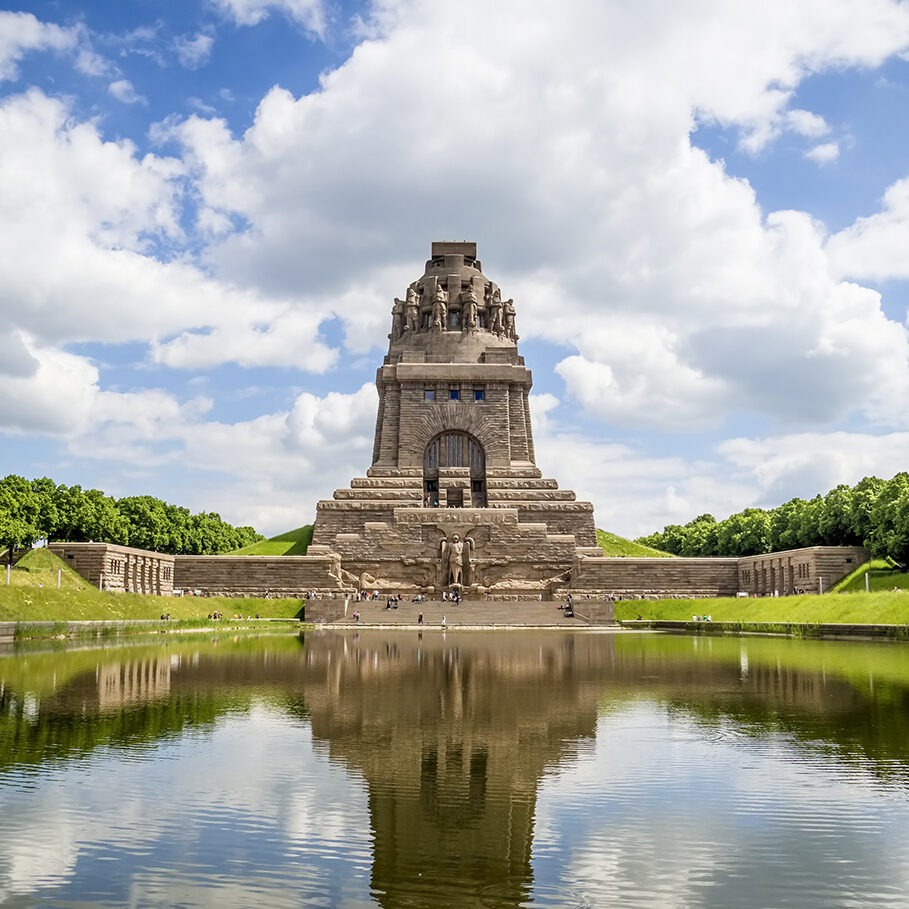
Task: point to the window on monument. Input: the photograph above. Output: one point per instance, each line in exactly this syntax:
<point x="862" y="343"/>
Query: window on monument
<point x="454" y="394"/>
<point x="479" y="395"/>
<point x="429" y="394"/>
<point x="426" y="319"/>
<point x="454" y="319"/>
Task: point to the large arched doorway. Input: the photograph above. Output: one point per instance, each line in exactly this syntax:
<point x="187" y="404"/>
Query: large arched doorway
<point x="454" y="449"/>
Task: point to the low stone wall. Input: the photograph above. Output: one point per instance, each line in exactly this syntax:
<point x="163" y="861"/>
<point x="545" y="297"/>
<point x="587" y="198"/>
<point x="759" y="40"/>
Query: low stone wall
<point x="649" y="578"/>
<point x="594" y="612"/>
<point x="256" y="576"/>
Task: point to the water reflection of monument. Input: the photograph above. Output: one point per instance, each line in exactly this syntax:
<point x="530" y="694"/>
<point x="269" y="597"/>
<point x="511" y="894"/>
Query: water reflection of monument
<point x="453" y="737"/>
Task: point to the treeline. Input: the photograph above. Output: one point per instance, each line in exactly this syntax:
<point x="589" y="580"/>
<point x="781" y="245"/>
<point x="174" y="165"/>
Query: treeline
<point x="32" y="510"/>
<point x="873" y="513"/>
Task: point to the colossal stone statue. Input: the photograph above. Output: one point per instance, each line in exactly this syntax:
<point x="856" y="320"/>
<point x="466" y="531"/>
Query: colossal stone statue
<point x="411" y="310"/>
<point x="439" y="308"/>
<point x="494" y="311"/>
<point x="453" y="561"/>
<point x="469" y="310"/>
<point x="509" y="321"/>
<point x="397" y="320"/>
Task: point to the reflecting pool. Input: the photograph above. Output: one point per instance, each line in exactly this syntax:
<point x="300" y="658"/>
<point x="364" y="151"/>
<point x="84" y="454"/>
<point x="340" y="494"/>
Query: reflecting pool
<point x="391" y="769"/>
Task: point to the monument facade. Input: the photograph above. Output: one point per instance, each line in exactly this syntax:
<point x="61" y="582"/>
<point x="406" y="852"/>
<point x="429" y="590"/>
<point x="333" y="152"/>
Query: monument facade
<point x="454" y="498"/>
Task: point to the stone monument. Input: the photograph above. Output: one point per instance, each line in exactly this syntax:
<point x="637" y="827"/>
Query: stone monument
<point x="454" y="498"/>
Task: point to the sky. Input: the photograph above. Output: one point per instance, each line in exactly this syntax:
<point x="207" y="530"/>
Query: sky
<point x="701" y="211"/>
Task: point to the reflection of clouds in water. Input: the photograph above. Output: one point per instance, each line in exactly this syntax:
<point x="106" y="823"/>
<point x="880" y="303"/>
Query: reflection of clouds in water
<point x="666" y="813"/>
<point x="37" y="847"/>
<point x="189" y="805"/>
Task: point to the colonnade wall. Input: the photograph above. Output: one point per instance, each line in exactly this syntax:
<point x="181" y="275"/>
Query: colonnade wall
<point x="119" y="568"/>
<point x="812" y="569"/>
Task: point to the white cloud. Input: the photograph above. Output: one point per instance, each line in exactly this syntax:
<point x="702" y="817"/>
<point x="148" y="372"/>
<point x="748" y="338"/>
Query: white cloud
<point x="617" y="238"/>
<point x="123" y="90"/>
<point x="310" y="14"/>
<point x="875" y="247"/>
<point x="823" y="153"/>
<point x="676" y="301"/>
<point x="194" y="52"/>
<point x="22" y="32"/>
<point x="806" y="123"/>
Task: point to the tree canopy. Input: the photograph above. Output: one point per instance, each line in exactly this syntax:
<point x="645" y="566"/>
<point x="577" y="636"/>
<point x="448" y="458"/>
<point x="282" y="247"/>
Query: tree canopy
<point x="32" y="510"/>
<point x="873" y="513"/>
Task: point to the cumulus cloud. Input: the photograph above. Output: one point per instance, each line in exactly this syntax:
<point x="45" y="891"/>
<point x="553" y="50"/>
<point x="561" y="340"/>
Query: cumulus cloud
<point x="677" y="302"/>
<point x="123" y="90"/>
<point x="22" y="32"/>
<point x="310" y="14"/>
<point x="194" y="52"/>
<point x="682" y="299"/>
<point x="874" y="247"/>
<point x="823" y="153"/>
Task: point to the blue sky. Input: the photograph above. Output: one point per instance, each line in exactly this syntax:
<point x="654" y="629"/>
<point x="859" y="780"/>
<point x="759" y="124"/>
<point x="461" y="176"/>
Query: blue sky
<point x="701" y="211"/>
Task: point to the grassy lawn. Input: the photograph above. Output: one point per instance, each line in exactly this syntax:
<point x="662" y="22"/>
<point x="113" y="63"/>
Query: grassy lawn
<point x="613" y="545"/>
<point x="881" y="576"/>
<point x="32" y="595"/>
<point x="294" y="542"/>
<point x="884" y="608"/>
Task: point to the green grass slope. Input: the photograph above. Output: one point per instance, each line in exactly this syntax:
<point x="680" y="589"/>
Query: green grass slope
<point x="884" y="608"/>
<point x="294" y="542"/>
<point x="613" y="545"/>
<point x="32" y="595"/>
<point x="881" y="577"/>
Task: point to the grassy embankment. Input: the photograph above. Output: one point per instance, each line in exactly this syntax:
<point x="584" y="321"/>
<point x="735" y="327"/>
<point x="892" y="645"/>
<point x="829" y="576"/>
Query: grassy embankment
<point x="613" y="545"/>
<point x="880" y="608"/>
<point x="32" y="595"/>
<point x="294" y="542"/>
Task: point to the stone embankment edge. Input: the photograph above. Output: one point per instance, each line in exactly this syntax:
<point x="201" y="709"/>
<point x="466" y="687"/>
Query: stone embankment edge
<point x="12" y="631"/>
<point x="850" y="630"/>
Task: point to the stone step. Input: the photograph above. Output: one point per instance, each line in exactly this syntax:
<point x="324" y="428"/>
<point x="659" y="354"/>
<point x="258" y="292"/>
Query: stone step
<point x="380" y="494"/>
<point x="519" y="483"/>
<point x="520" y="496"/>
<point x="387" y="483"/>
<point x="469" y="612"/>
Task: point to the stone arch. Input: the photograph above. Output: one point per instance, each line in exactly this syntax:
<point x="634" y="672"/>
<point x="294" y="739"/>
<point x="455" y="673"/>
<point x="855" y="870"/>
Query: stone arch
<point x="454" y="448"/>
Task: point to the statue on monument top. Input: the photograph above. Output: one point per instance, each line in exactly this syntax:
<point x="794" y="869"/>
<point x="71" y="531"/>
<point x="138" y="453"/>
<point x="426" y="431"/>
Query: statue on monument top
<point x="411" y="310"/>
<point x="469" y="309"/>
<point x="439" y="307"/>
<point x="397" y="320"/>
<point x="509" y="320"/>
<point x="494" y="310"/>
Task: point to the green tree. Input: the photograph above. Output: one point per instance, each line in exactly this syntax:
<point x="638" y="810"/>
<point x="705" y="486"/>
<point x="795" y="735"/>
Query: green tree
<point x="746" y="533"/>
<point x="890" y="519"/>
<point x="20" y="514"/>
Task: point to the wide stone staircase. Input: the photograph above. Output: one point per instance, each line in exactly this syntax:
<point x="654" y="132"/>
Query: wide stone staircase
<point x="472" y="613"/>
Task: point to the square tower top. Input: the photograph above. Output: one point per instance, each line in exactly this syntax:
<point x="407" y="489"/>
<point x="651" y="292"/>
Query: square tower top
<point x="468" y="250"/>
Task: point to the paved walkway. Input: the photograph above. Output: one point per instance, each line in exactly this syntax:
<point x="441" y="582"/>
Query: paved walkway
<point x="472" y="613"/>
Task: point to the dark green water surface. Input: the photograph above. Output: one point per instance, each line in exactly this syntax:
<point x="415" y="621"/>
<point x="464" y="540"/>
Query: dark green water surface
<point x="467" y="769"/>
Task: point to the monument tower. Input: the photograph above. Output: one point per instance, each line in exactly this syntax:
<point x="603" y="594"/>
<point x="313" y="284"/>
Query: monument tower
<point x="454" y="497"/>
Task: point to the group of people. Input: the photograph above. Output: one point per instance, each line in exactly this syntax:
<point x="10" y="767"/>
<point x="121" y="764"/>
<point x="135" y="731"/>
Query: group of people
<point x="567" y="608"/>
<point x="453" y="597"/>
<point x="392" y="601"/>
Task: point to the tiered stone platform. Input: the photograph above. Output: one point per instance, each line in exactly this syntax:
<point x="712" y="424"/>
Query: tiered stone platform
<point x="469" y="614"/>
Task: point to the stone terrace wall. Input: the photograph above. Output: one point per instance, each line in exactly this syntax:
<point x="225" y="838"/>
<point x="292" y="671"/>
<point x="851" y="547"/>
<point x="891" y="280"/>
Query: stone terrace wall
<point x="657" y="578"/>
<point x="256" y="576"/>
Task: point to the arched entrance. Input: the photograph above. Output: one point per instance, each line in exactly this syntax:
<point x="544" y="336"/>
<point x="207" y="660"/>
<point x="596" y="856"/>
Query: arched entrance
<point x="454" y="449"/>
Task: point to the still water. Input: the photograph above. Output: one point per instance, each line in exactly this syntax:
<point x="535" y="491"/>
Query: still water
<point x="505" y="769"/>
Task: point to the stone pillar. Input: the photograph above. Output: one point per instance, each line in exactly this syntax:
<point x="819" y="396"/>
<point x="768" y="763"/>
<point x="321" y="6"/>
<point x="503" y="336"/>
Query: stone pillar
<point x="516" y="427"/>
<point x="380" y="416"/>
<point x="388" y="451"/>
<point x="531" y="456"/>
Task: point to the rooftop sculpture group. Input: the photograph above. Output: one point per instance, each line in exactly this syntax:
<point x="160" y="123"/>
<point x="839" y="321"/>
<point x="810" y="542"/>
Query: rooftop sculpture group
<point x="428" y="307"/>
